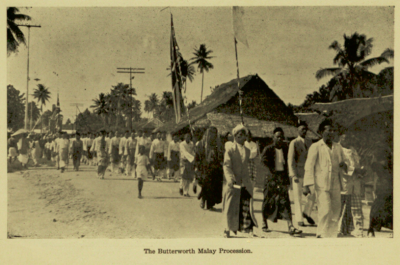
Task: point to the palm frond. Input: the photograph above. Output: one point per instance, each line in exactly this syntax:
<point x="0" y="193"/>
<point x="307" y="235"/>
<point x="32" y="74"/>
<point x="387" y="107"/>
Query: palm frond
<point x="372" y="62"/>
<point x="336" y="47"/>
<point x="327" y="72"/>
<point x="388" y="54"/>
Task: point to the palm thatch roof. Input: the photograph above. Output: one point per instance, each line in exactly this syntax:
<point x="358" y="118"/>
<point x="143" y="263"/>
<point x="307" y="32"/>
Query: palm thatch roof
<point x="259" y="101"/>
<point x="347" y="112"/>
<point x="151" y="125"/>
<point x="259" y="128"/>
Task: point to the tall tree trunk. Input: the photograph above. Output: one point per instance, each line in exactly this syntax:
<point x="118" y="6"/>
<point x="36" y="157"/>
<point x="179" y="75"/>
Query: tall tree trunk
<point x="202" y="83"/>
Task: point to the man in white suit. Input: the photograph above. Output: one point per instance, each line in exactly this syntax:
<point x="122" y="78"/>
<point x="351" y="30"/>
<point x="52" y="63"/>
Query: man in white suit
<point x="323" y="169"/>
<point x="297" y="157"/>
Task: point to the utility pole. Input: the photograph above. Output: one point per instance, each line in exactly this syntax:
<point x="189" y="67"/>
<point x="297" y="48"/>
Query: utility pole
<point x="76" y="113"/>
<point x="131" y="71"/>
<point x="27" y="79"/>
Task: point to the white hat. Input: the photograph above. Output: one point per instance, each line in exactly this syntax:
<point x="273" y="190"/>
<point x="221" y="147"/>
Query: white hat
<point x="238" y="128"/>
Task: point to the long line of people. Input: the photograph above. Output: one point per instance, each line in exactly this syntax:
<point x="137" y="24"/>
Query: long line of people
<point x="328" y="173"/>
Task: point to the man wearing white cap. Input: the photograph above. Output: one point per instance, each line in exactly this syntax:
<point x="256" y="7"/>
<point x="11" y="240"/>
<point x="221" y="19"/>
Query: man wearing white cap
<point x="238" y="189"/>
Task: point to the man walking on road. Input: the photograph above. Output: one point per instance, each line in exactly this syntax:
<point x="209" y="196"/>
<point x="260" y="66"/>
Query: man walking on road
<point x="114" y="152"/>
<point x="123" y="152"/>
<point x="323" y="171"/>
<point x="297" y="157"/>
<point x="157" y="156"/>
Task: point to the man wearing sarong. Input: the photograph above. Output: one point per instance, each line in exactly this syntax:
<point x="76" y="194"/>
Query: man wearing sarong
<point x="238" y="189"/>
<point x="53" y="149"/>
<point x="298" y="150"/>
<point x="123" y="152"/>
<point x="63" y="151"/>
<point x="323" y="170"/>
<point x="157" y="156"/>
<point x="208" y="167"/>
<point x="102" y="158"/>
<point x="187" y="161"/>
<point x="114" y="152"/>
<point x="84" y="154"/>
<point x="276" y="204"/>
<point x="76" y="151"/>
<point x="23" y="148"/>
<point x="36" y="150"/>
<point x="57" y="144"/>
<point x="95" y="146"/>
<point x="254" y="155"/>
<point x="89" y="143"/>
<point x="131" y="147"/>
<point x="173" y="158"/>
<point x="351" y="217"/>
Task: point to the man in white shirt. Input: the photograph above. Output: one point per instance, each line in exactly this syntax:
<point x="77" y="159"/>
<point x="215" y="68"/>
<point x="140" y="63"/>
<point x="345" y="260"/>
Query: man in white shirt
<point x="323" y="170"/>
<point x="63" y="151"/>
<point x="114" y="151"/>
<point x="173" y="158"/>
<point x="297" y="157"/>
<point x="139" y="141"/>
<point x="131" y="147"/>
<point x="157" y="155"/>
<point x="108" y="139"/>
<point x="123" y="152"/>
<point x="84" y="157"/>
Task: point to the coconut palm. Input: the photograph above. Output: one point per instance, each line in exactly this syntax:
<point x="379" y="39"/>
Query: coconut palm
<point x="42" y="94"/>
<point x="14" y="35"/>
<point x="352" y="64"/>
<point x="151" y="104"/>
<point x="100" y="107"/>
<point x="201" y="56"/>
<point x="120" y="100"/>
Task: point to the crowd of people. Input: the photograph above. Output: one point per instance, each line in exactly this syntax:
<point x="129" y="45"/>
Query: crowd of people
<point x="328" y="173"/>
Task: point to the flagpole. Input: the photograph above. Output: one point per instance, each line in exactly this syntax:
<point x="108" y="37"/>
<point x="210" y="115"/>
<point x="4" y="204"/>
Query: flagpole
<point x="238" y="81"/>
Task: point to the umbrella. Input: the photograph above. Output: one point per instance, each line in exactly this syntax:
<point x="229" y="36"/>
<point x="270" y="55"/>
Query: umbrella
<point x="20" y="131"/>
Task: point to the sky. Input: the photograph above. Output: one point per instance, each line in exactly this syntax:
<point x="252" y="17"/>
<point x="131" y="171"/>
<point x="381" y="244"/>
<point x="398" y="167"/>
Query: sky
<point x="287" y="45"/>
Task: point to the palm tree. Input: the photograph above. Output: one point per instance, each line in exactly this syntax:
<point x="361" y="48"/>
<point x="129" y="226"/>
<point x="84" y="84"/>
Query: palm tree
<point x="151" y="104"/>
<point x="120" y="101"/>
<point x="201" y="57"/>
<point x="100" y="107"/>
<point x="42" y="94"/>
<point x="352" y="64"/>
<point x="14" y="34"/>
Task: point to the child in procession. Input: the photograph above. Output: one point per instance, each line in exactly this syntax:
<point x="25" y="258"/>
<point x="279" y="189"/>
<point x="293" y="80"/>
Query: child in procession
<point x="142" y="164"/>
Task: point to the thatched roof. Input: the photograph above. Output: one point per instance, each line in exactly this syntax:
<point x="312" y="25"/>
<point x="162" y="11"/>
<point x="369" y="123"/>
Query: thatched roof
<point x="259" y="128"/>
<point x="151" y="124"/>
<point x="265" y="105"/>
<point x="221" y="95"/>
<point x="346" y="112"/>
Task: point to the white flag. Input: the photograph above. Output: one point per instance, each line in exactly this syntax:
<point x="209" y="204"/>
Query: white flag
<point x="238" y="28"/>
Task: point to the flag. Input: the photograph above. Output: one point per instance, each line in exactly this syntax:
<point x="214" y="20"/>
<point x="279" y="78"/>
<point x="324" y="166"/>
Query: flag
<point x="176" y="77"/>
<point x="238" y="27"/>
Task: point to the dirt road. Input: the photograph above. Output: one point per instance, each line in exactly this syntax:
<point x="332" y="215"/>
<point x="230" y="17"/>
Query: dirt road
<point x="44" y="203"/>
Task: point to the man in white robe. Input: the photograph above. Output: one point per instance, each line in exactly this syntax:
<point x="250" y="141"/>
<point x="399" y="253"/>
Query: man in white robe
<point x="323" y="171"/>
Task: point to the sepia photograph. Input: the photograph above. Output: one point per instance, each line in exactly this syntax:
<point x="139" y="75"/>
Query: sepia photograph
<point x="188" y="122"/>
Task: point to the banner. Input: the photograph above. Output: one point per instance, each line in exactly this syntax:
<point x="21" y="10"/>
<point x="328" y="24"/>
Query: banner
<point x="238" y="27"/>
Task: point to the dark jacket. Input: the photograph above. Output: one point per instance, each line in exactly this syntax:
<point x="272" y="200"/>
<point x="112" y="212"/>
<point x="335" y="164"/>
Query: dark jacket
<point x="268" y="158"/>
